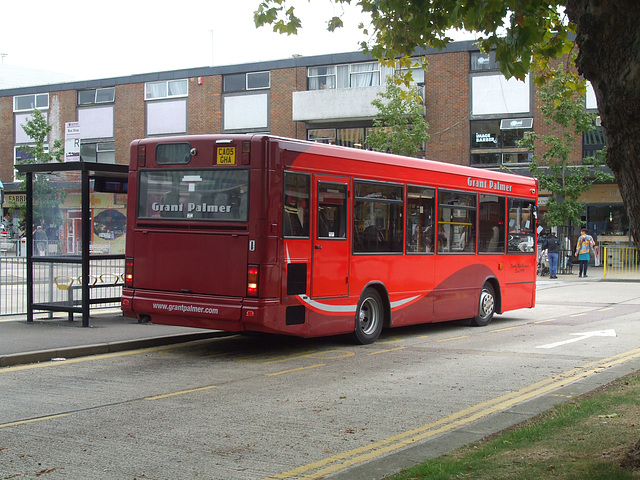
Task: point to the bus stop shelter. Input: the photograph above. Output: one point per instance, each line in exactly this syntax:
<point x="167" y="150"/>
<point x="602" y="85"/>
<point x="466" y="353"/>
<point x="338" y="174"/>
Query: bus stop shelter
<point x="75" y="225"/>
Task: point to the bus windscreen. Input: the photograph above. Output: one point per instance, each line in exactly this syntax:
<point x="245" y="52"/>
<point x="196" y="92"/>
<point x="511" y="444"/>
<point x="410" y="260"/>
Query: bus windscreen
<point x="189" y="194"/>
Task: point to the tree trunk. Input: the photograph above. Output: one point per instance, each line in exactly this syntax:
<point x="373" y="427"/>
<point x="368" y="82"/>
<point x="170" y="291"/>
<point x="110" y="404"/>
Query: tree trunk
<point x="608" y="37"/>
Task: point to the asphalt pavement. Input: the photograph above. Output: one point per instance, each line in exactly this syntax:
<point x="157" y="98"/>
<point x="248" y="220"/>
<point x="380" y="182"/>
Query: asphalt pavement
<point x="47" y="339"/>
<point x="57" y="339"/>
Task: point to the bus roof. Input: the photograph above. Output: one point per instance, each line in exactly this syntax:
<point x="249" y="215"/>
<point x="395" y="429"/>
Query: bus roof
<point x="386" y="159"/>
<point x="358" y="156"/>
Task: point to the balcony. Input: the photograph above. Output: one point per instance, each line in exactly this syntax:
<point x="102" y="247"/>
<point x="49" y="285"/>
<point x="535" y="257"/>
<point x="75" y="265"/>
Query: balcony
<point x="335" y="104"/>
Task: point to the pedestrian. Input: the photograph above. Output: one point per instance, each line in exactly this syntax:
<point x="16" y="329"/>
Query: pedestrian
<point x="552" y="245"/>
<point x="583" y="251"/>
<point x="40" y="240"/>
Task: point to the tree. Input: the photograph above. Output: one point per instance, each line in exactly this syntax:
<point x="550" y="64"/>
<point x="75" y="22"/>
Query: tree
<point x="525" y="34"/>
<point x="46" y="197"/>
<point x="400" y="126"/>
<point x="563" y="111"/>
<point x="38" y="130"/>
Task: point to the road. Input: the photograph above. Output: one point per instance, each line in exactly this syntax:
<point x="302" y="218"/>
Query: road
<point x="272" y="407"/>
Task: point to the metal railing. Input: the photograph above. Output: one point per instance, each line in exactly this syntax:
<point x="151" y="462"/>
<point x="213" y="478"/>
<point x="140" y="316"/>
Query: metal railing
<point x="621" y="262"/>
<point x="57" y="283"/>
<point x="13" y="285"/>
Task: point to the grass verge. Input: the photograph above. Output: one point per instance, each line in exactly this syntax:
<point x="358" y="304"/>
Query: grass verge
<point x="593" y="437"/>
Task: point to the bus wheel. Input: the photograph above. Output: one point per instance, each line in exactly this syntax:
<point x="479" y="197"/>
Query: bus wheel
<point x="486" y="307"/>
<point x="369" y="317"/>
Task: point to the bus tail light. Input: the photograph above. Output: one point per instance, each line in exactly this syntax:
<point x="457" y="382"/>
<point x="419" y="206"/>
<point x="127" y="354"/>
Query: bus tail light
<point x="252" y="281"/>
<point x="128" y="272"/>
<point x="246" y="153"/>
<point x="142" y="155"/>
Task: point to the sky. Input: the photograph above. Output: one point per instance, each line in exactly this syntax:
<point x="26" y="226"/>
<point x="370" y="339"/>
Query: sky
<point x="88" y="40"/>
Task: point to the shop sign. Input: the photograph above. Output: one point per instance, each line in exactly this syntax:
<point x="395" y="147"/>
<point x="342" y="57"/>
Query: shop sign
<point x="15" y="198"/>
<point x="486" y="138"/>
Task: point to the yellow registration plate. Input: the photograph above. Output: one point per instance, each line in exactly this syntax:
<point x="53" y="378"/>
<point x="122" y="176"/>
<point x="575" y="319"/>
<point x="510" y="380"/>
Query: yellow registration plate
<point x="226" y="156"/>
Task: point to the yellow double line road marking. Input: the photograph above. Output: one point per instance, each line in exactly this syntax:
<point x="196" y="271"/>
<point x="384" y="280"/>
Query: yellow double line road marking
<point x="366" y="453"/>
<point x="33" y="420"/>
<point x="182" y="392"/>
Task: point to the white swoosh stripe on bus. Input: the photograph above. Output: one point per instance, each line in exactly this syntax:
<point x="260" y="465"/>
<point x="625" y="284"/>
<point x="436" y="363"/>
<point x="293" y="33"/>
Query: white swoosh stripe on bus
<point x="349" y="308"/>
<point x="328" y="308"/>
<point x="400" y="303"/>
<point x="343" y="308"/>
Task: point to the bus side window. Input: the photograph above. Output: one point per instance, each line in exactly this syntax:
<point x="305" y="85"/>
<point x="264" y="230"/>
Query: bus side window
<point x="420" y="219"/>
<point x="292" y="221"/>
<point x="378" y="226"/>
<point x="332" y="210"/>
<point x="457" y="222"/>
<point x="295" y="212"/>
<point x="521" y="226"/>
<point x="491" y="226"/>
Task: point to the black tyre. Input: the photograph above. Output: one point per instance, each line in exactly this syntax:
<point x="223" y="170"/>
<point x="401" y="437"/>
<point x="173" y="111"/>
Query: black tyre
<point x="486" y="307"/>
<point x="369" y="317"/>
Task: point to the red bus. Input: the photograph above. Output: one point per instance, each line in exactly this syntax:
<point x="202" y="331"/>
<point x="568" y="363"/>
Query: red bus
<point x="268" y="234"/>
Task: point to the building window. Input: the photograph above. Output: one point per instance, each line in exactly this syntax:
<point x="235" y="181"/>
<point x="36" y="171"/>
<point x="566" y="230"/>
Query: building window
<point x="256" y="80"/>
<point x="607" y="220"/>
<point x="166" y="89"/>
<point x="493" y="94"/>
<point x="321" y="78"/>
<point x="322" y="135"/>
<point x="21" y="155"/>
<point x="25" y="103"/>
<point x="593" y="142"/>
<point x="494" y="142"/>
<point x="21" y="119"/>
<point x="346" y="137"/>
<point x="364" y="75"/>
<point x="96" y="121"/>
<point x="484" y="61"/>
<point x="98" y="152"/>
<point x="355" y="75"/>
<point x="96" y="95"/>
<point x="234" y="83"/>
<point x="417" y="76"/>
<point x="246" y="112"/>
<point x="167" y="118"/>
<point x="350" y="137"/>
<point x="239" y="82"/>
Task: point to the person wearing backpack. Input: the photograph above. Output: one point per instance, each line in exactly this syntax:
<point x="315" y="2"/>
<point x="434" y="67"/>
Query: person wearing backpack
<point x="583" y="251"/>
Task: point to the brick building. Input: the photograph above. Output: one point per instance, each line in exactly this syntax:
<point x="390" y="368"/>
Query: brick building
<point x="475" y="115"/>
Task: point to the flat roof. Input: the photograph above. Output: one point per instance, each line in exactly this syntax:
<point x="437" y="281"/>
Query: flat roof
<point x="302" y="61"/>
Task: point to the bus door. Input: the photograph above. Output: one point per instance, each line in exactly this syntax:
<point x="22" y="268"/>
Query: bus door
<point x="330" y="262"/>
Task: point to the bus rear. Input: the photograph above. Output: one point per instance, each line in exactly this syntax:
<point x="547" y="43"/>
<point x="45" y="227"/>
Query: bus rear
<point x="191" y="256"/>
